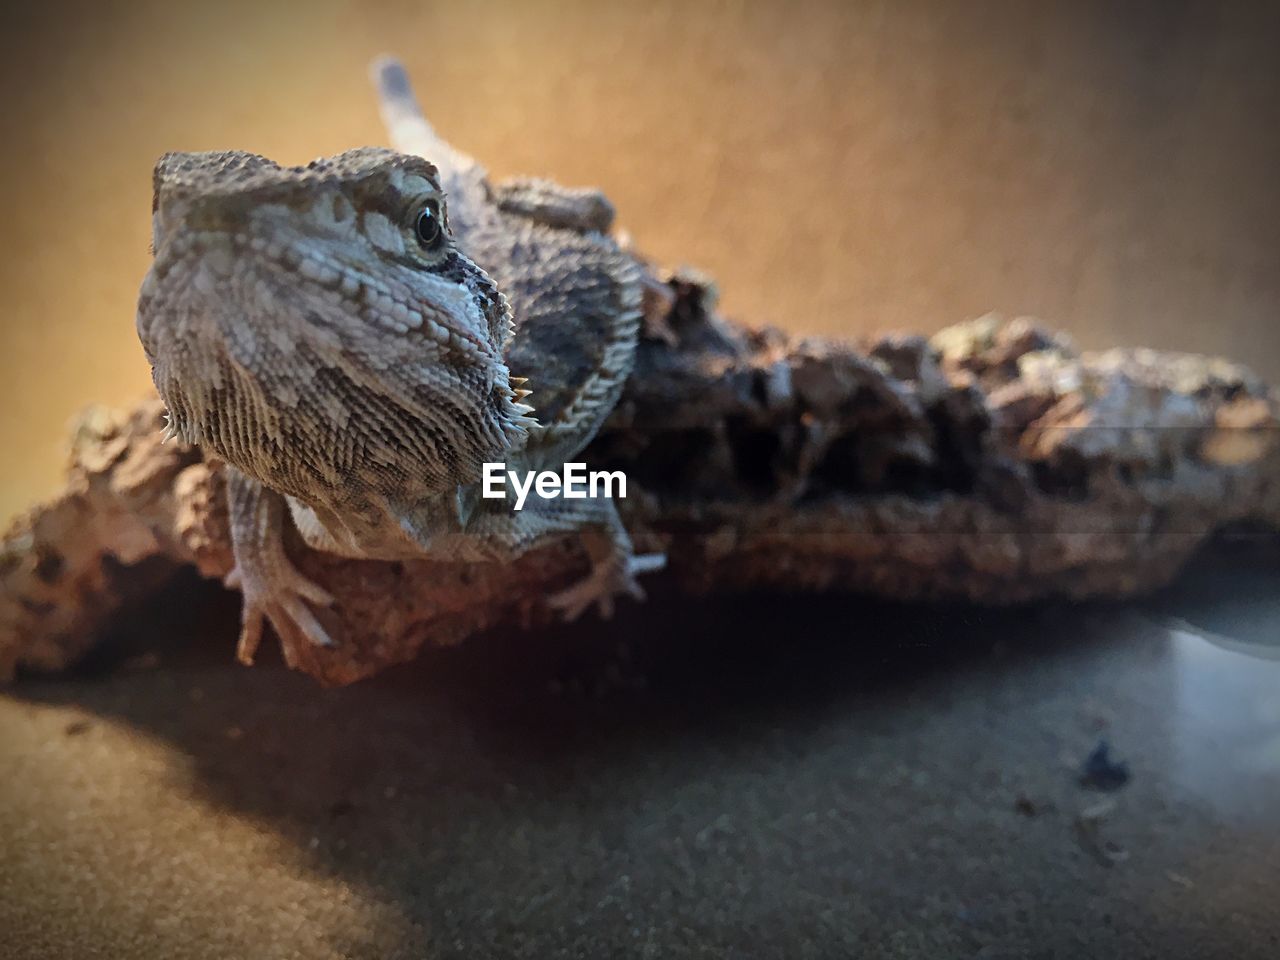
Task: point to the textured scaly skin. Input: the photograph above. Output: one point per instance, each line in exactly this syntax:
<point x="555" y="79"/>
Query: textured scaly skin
<point x="355" y="374"/>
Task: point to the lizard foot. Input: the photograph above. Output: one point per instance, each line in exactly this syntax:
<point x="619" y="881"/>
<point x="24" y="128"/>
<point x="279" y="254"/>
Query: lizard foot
<point x="281" y="596"/>
<point x="607" y="579"/>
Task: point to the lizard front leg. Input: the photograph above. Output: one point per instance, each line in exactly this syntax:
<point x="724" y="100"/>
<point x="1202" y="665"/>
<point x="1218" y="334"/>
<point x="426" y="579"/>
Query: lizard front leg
<point x="272" y="586"/>
<point x="506" y="534"/>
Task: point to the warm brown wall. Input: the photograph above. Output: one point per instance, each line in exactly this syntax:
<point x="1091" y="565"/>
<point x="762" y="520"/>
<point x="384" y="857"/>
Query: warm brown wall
<point x="840" y="167"/>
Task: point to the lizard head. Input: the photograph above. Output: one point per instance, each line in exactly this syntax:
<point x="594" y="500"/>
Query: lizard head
<point x="317" y="328"/>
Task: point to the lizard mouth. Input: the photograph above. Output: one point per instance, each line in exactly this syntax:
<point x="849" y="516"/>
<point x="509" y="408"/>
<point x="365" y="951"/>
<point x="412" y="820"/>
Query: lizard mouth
<point x="460" y="322"/>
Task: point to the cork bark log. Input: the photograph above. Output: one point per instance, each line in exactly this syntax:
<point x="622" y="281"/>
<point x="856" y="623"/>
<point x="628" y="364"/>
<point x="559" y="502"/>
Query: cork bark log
<point x="992" y="463"/>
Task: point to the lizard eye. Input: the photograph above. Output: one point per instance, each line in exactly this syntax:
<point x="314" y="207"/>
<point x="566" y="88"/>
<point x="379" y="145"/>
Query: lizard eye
<point x="429" y="229"/>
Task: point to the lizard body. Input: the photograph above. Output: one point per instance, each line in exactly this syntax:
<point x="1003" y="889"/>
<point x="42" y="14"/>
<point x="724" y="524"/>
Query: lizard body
<point x="344" y="336"/>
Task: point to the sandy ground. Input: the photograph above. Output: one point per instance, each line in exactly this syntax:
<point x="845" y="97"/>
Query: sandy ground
<point x="749" y="778"/>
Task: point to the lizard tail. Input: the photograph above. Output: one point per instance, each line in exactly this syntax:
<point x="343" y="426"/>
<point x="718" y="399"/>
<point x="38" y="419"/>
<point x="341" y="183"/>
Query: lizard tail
<point x="462" y="179"/>
<point x="406" y="125"/>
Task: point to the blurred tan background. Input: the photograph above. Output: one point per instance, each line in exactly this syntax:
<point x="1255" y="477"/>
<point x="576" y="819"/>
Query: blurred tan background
<point x="840" y="167"/>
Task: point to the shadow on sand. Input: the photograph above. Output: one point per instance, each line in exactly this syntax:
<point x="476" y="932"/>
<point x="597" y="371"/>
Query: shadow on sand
<point x="752" y="774"/>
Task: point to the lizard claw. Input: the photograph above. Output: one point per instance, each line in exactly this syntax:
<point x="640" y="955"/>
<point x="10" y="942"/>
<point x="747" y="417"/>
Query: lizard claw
<point x="280" y="596"/>
<point x="605" y="581"/>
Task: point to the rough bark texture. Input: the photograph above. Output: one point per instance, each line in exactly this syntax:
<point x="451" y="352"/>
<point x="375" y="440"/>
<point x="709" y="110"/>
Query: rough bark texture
<point x="992" y="463"/>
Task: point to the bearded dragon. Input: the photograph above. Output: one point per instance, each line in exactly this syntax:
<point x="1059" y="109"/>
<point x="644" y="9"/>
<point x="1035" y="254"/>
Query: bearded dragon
<point x="353" y="338"/>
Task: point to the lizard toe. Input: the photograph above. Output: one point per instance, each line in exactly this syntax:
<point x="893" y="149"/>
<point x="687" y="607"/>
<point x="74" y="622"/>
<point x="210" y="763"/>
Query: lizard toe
<point x="283" y="597"/>
<point x="605" y="582"/>
<point x="250" y="634"/>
